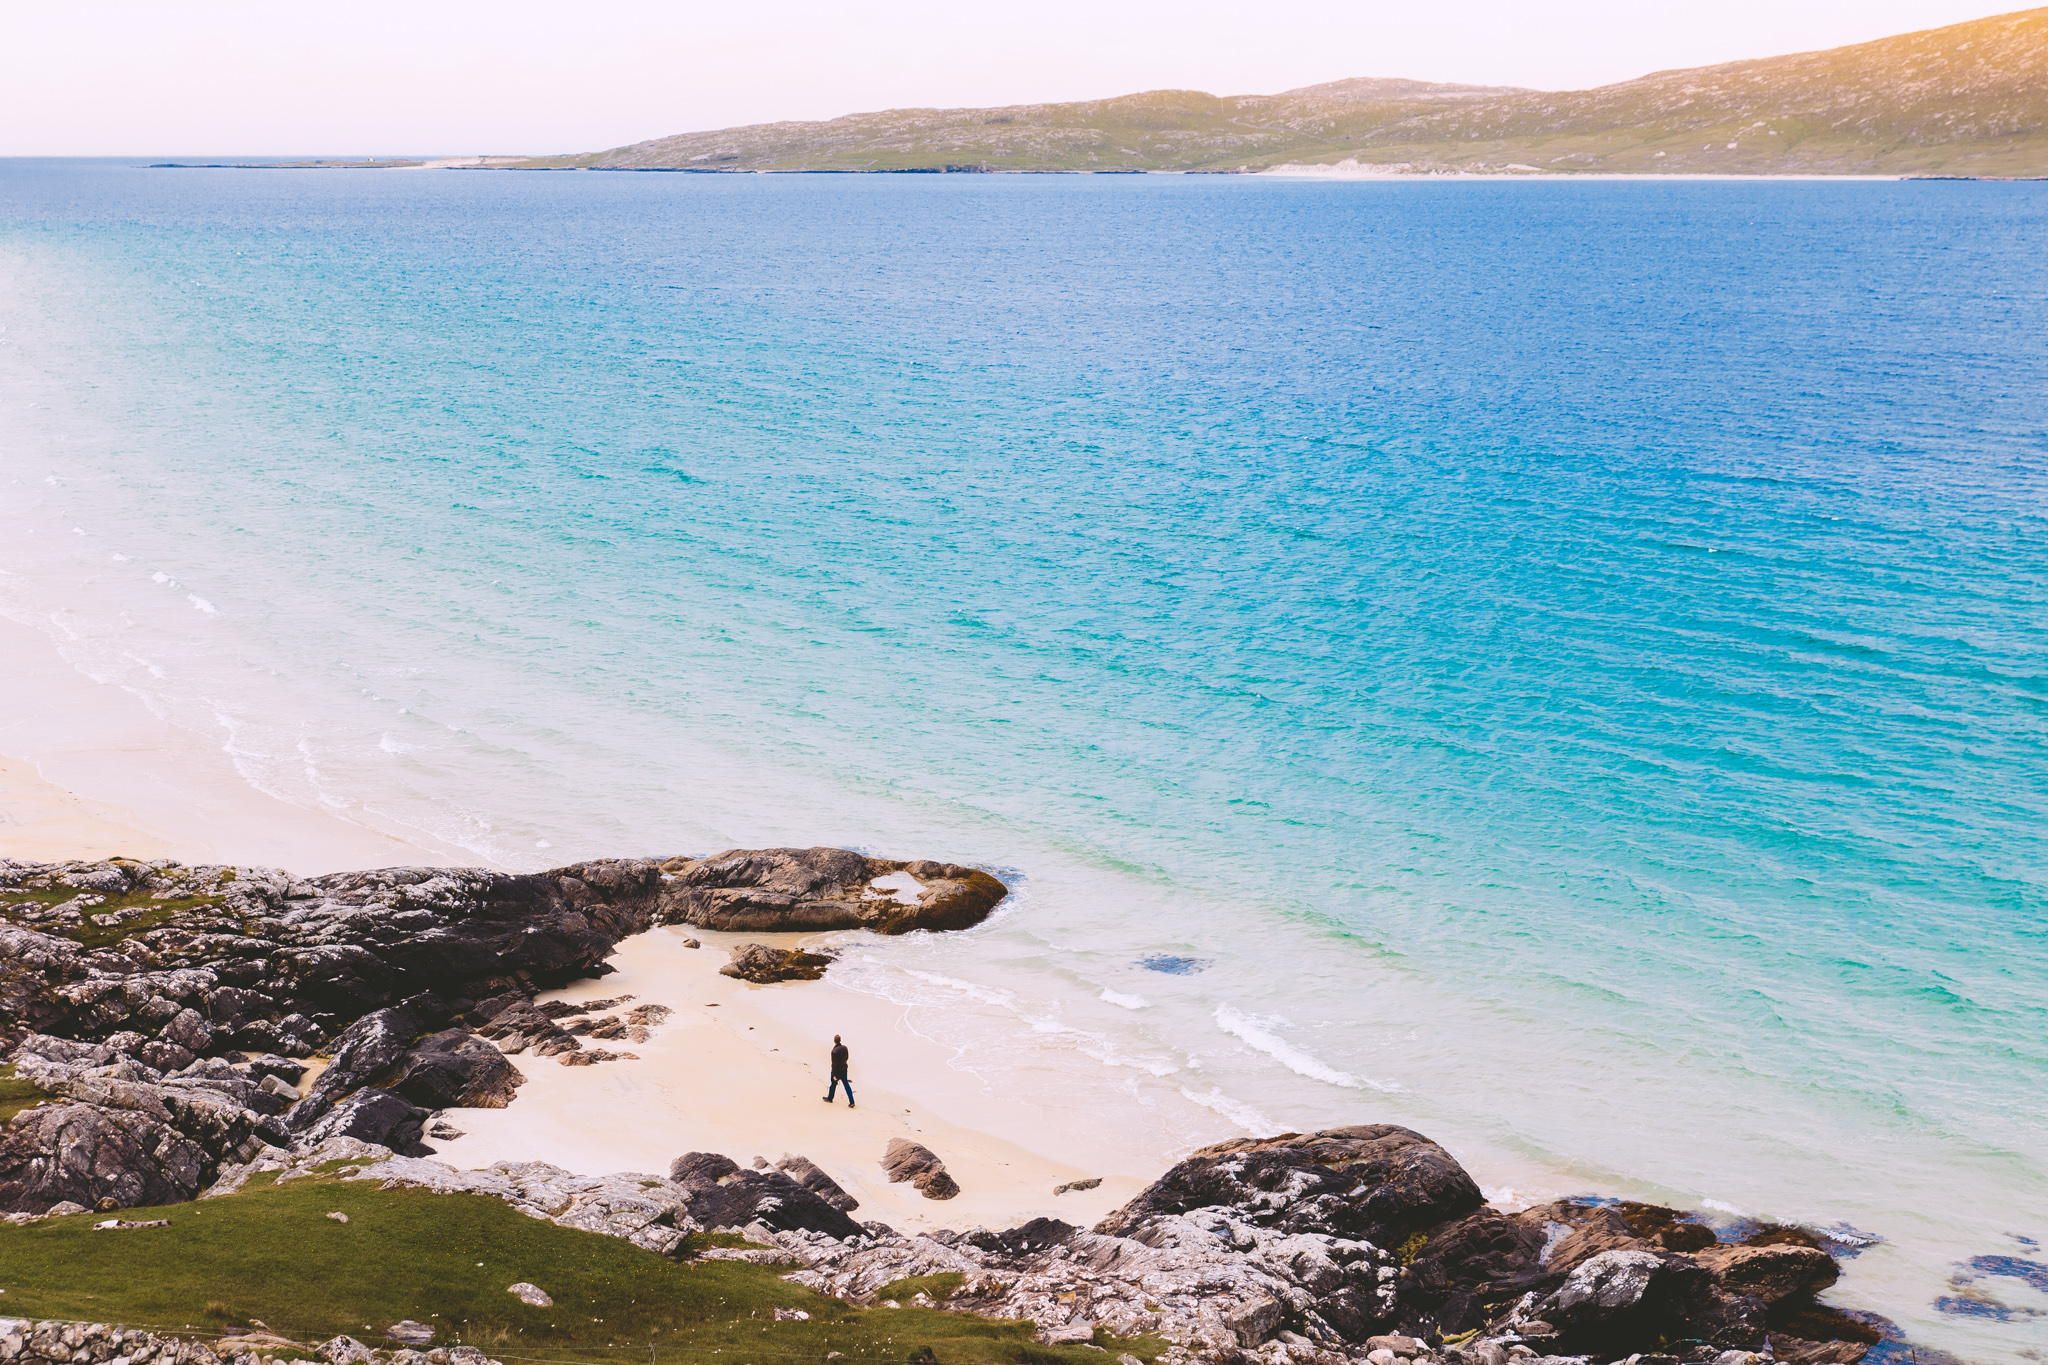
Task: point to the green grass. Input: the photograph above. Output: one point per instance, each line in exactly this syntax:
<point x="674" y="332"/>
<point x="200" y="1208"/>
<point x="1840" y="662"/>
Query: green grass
<point x="934" y="1287"/>
<point x="156" y="913"/>
<point x="272" y="1254"/>
<point x="17" y="1094"/>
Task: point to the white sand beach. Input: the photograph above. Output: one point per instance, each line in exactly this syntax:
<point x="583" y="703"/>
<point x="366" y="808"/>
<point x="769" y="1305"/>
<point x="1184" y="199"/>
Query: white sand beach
<point x="741" y="1069"/>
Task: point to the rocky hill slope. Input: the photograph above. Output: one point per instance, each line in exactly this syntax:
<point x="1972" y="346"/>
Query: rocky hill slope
<point x="1969" y="99"/>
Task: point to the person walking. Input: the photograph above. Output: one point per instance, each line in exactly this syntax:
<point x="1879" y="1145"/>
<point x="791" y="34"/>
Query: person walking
<point x="839" y="1073"/>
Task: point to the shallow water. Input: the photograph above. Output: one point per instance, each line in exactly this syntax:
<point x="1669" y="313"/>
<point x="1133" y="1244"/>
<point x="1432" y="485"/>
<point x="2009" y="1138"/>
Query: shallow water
<point x="1563" y="666"/>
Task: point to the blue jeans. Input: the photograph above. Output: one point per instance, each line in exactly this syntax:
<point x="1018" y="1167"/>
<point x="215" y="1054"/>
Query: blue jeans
<point x="833" y="1088"/>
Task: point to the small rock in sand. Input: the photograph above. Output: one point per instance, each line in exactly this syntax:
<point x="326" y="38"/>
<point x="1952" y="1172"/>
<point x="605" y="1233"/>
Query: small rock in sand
<point x="918" y="1164"/>
<point x="531" y="1293"/>
<point x="692" y="943"/>
<point x="763" y="965"/>
<point x="1087" y="1184"/>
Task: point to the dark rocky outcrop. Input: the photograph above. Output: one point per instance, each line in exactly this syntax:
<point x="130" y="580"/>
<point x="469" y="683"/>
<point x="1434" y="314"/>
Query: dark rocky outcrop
<point x="918" y="1164"/>
<point x="216" y="957"/>
<point x="821" y="888"/>
<point x="763" y="965"/>
<point x="805" y="1172"/>
<point x="1618" y="1298"/>
<point x="83" y="1153"/>
<point x="372" y="1115"/>
<point x="1471" y="1269"/>
<point x="122" y="1131"/>
<point x="1376" y="1182"/>
<point x="1771" y="1273"/>
<point x="717" y="1193"/>
<point x="455" y="1068"/>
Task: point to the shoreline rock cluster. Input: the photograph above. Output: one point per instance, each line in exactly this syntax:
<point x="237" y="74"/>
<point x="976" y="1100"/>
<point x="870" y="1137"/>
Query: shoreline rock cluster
<point x="1325" y="1248"/>
<point x="170" y="1041"/>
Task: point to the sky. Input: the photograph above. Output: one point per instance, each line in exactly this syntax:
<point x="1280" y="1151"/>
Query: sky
<point x="121" y="77"/>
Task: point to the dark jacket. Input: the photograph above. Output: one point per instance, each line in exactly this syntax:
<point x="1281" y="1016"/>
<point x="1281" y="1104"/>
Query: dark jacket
<point x="839" y="1059"/>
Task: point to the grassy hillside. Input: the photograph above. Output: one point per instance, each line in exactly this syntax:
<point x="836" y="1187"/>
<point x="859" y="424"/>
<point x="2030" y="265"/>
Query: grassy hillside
<point x="272" y="1255"/>
<point x="1969" y="99"/>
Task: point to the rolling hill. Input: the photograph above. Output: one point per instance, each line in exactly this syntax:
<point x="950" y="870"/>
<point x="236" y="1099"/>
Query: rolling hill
<point x="1969" y="99"/>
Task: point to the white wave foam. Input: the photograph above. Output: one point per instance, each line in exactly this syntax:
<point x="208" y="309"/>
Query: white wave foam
<point x="1243" y="1115"/>
<point x="202" y="604"/>
<point x="872" y="977"/>
<point x="1724" y="1208"/>
<point x="1257" y="1032"/>
<point x="1129" y="1002"/>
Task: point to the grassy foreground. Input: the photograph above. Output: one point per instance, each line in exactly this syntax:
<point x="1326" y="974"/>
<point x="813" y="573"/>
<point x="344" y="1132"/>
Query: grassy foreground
<point x="272" y="1254"/>
<point x="17" y="1094"/>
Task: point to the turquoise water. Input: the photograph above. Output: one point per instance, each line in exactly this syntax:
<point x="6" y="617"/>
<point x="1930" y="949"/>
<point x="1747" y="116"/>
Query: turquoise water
<point x="1568" y="662"/>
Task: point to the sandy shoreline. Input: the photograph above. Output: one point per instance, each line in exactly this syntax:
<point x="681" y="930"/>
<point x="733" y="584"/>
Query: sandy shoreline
<point x="86" y="770"/>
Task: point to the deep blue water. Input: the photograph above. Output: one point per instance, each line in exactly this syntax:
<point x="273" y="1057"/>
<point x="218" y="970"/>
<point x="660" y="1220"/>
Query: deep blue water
<point x="1568" y="660"/>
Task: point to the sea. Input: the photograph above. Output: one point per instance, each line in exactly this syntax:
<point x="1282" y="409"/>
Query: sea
<point x="1561" y="665"/>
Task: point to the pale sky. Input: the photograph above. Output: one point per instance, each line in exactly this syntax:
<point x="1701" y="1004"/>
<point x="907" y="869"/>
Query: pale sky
<point x="151" y="77"/>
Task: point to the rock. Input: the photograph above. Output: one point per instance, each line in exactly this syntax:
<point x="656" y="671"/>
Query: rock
<point x="1255" y="1322"/>
<point x="1796" y="1351"/>
<point x="1399" y="1345"/>
<point x="762" y="965"/>
<point x="189" y="1030"/>
<point x="338" y="1217"/>
<point x="788" y="889"/>
<point x="1375" y="1183"/>
<point x="701" y="1168"/>
<point x="163" y="1056"/>
<point x="1087" y="1184"/>
<point x="368" y="1050"/>
<point x="806" y="1173"/>
<point x="531" y="1293"/>
<point x="456" y="1069"/>
<point x="283" y="1068"/>
<point x="1771" y="1273"/>
<point x="410" y="1332"/>
<point x="918" y="1164"/>
<point x="345" y="1351"/>
<point x="1078" y="1332"/>
<point x="66" y="1209"/>
<point x="280" y="1088"/>
<point x="1470" y="1270"/>
<point x="372" y="1115"/>
<point x="691" y="943"/>
<point x="716" y="1193"/>
<point x="78" y="1154"/>
<point x="441" y="1130"/>
<point x="1621" y="1296"/>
